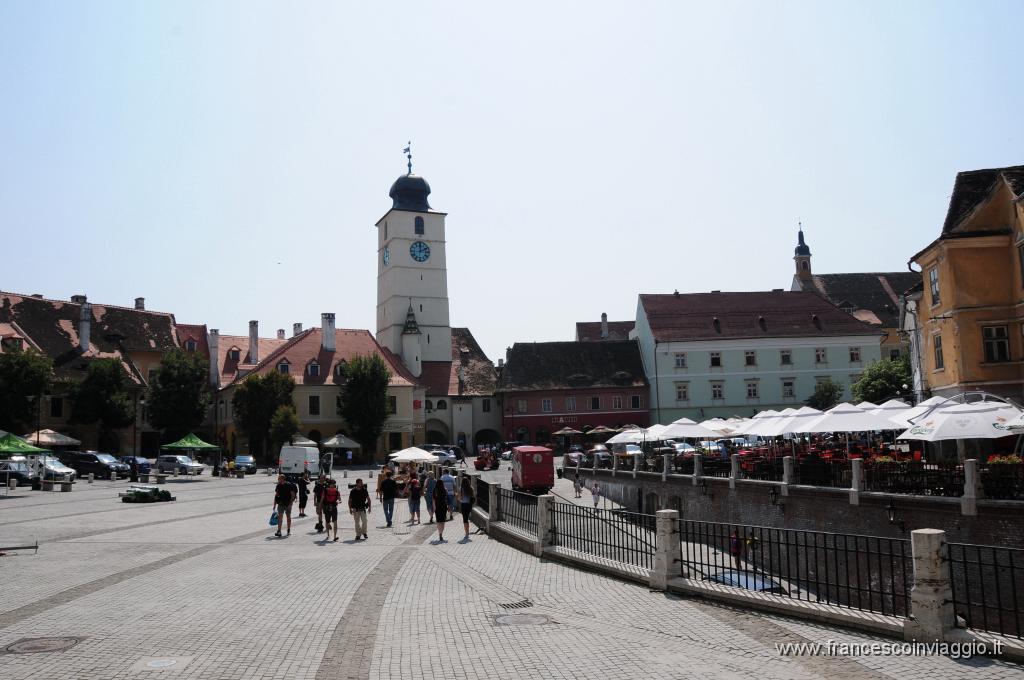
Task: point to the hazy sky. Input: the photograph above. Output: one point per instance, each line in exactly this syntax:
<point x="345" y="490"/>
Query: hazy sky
<point x="228" y="160"/>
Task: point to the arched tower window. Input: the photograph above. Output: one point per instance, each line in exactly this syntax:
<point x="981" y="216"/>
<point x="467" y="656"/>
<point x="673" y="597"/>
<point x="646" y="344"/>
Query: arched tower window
<point x="419" y="225"/>
<point x="805" y="265"/>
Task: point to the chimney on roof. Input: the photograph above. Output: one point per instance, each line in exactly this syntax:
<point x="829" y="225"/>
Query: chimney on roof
<point x="716" y="291"/>
<point x="296" y="328"/>
<point x="84" y="325"/>
<point x="327" y="331"/>
<point x="776" y="290"/>
<point x="280" y="334"/>
<point x="78" y="299"/>
<point x="140" y="303"/>
<point x="604" y="325"/>
<point x="254" y="342"/>
<point x="214" y="341"/>
<point x="501" y="363"/>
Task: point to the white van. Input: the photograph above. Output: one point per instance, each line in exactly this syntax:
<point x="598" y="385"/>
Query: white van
<point x="294" y="460"/>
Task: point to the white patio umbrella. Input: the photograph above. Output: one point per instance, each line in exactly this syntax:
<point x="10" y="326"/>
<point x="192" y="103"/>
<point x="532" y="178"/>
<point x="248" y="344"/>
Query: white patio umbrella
<point x="684" y="428"/>
<point x="719" y="426"/>
<point x="791" y="422"/>
<point x="979" y="420"/>
<point x="866" y="406"/>
<point x="632" y="436"/>
<point x="845" y="418"/>
<point x="657" y="433"/>
<point x="50" y="438"/>
<point x="903" y="420"/>
<point x="340" y="441"/>
<point x="413" y="454"/>
<point x="891" y="408"/>
<point x="755" y="423"/>
<point x="299" y="440"/>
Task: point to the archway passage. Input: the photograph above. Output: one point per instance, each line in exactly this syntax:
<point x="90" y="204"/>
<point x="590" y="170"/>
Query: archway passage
<point x="437" y="432"/>
<point x="486" y="438"/>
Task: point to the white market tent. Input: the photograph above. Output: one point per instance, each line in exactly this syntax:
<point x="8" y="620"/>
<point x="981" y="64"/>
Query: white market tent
<point x="50" y="438"/>
<point x="340" y="441"/>
<point x="684" y="428"/>
<point x="657" y="433"/>
<point x="413" y="454"/>
<point x="631" y="436"/>
<point x="299" y="440"/>
<point x="978" y="420"/>
<point x="893" y="407"/>
<point x="790" y="423"/>
<point x="757" y="421"/>
<point x="903" y="420"/>
<point x="845" y="417"/>
<point x="866" y="406"/>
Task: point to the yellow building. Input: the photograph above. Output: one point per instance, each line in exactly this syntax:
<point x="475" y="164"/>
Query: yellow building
<point x="972" y="308"/>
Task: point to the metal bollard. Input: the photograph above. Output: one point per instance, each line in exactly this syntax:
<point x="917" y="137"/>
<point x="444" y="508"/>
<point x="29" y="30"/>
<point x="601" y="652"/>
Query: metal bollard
<point x="113" y="476"/>
<point x="344" y="474"/>
<point x="12" y="484"/>
<point x="371" y="474"/>
<point x="175" y="471"/>
<point x="90" y="477"/>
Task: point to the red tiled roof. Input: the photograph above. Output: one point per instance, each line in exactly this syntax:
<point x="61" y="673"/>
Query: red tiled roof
<point x="195" y="332"/>
<point x="587" y="331"/>
<point x="479" y="376"/>
<point x="229" y="369"/>
<point x="718" y="316"/>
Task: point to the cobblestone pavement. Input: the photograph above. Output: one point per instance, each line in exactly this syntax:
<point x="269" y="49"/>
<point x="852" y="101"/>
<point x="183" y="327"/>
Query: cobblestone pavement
<point x="204" y="583"/>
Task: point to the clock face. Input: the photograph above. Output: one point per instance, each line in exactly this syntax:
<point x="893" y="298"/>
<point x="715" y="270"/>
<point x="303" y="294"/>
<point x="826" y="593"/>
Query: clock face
<point x="420" y="251"/>
<point x="386" y="256"/>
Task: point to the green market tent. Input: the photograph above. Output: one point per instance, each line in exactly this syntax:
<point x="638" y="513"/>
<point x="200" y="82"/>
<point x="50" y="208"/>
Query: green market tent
<point x="10" y="444"/>
<point x="190" y="442"/>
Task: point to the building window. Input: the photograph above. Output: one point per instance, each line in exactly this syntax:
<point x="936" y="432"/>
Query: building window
<point x="429" y="405"/>
<point x="545" y="406"/>
<point x="855" y="355"/>
<point x="442" y="405"/>
<point x="314" y="368"/>
<point x="717" y="390"/>
<point x="716" y="359"/>
<point x="56" y="407"/>
<point x="341" y="368"/>
<point x="636" y="401"/>
<point x="393" y="405"/>
<point x="997" y="343"/>
<point x="419" y="225"/>
<point x="937" y="345"/>
<point x="234" y="354"/>
<point x="314" y="405"/>
<point x="682" y="391"/>
<point x="751" y="389"/>
<point x="595" y="403"/>
<point x="785" y="357"/>
<point x="788" y="388"/>
<point x="190" y="345"/>
<point x="283" y="367"/>
<point x="570" y="403"/>
<point x="894" y="353"/>
<point x="820" y="355"/>
<point x="750" y="358"/>
<point x="681" y="360"/>
<point x="485" y="405"/>
<point x="933" y="285"/>
<point x="617" y="402"/>
<point x="521" y="405"/>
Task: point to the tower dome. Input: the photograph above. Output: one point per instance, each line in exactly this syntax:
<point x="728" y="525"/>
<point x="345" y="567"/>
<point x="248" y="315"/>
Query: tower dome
<point x="801" y="247"/>
<point x="409" y="192"/>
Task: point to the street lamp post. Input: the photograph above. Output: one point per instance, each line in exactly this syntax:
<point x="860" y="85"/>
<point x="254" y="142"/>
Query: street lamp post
<point x="139" y="401"/>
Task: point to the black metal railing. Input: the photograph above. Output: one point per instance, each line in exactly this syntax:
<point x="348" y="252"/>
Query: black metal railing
<point x="767" y="470"/>
<point x="716" y="468"/>
<point x="519" y="510"/>
<point x="914" y="478"/>
<point x="988" y="587"/>
<point x="483" y="494"/>
<point x="814" y="471"/>
<point x="1003" y="480"/>
<point x="625" y="537"/>
<point x="860" y="572"/>
<point x="681" y="466"/>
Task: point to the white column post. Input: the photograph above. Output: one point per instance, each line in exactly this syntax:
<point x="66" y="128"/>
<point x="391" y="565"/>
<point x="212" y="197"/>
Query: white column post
<point x="615" y="464"/>
<point x="787" y="474"/>
<point x="666" y="551"/>
<point x="931" y="598"/>
<point x="544" y="524"/>
<point x="698" y="468"/>
<point x="972" y="490"/>
<point x="734" y="474"/>
<point x="856" y="470"/>
<point x="664" y="467"/>
<point x="493" y="499"/>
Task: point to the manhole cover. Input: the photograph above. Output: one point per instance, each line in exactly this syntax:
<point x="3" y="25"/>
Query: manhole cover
<point x="522" y="620"/>
<point x="39" y="645"/>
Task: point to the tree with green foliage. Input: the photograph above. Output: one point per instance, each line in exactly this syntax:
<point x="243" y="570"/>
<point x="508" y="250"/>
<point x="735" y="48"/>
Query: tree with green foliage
<point x="283" y="425"/>
<point x="103" y="397"/>
<point x="255" y="402"/>
<point x="364" y="399"/>
<point x="25" y="375"/>
<point x="179" y="394"/>
<point x="826" y="395"/>
<point x="883" y="380"/>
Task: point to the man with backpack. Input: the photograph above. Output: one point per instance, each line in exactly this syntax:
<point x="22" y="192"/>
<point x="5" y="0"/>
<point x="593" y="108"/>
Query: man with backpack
<point x="359" y="505"/>
<point x="318" y="498"/>
<point x="284" y="496"/>
<point x="330" y="506"/>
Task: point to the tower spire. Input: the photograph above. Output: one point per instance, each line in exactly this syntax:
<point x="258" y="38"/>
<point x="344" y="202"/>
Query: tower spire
<point x="408" y="155"/>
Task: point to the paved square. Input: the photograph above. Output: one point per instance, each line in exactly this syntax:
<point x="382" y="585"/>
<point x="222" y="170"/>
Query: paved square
<point x="202" y="582"/>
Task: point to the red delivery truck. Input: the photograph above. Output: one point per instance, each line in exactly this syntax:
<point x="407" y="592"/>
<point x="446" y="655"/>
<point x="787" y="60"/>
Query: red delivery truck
<point x="533" y="469"/>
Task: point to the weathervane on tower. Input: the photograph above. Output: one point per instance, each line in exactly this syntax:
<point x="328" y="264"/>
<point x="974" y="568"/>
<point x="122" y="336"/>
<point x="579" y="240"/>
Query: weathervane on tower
<point x="408" y="154"/>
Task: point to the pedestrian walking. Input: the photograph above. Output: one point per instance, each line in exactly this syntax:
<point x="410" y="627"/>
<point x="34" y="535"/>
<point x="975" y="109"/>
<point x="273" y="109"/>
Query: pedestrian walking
<point x="415" y="490"/>
<point x="577" y="485"/>
<point x="449" y="486"/>
<point x="467" y="496"/>
<point x="284" y="496"/>
<point x="735" y="547"/>
<point x="303" y="485"/>
<point x="428" y="490"/>
<point x="440" y="496"/>
<point x="318" y="497"/>
<point x="595" y="492"/>
<point x="359" y="505"/>
<point x="348" y="458"/>
<point x="380" y="478"/>
<point x="330" y="508"/>
<point x="388" y="491"/>
<point x="325" y="463"/>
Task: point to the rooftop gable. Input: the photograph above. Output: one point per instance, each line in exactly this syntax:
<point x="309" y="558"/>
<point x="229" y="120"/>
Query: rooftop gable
<point x="572" y="365"/>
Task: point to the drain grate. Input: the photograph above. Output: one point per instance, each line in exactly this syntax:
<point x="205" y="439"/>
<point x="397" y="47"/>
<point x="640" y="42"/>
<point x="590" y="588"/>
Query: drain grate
<point x="521" y="620"/>
<point x="42" y="645"/>
<point x="522" y="604"/>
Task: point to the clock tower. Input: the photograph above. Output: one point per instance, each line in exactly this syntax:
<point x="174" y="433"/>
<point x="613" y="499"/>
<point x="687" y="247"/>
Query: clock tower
<point x="412" y="276"/>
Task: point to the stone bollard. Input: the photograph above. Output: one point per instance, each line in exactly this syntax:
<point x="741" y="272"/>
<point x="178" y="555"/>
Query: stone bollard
<point x="666" y="551"/>
<point x="113" y="476"/>
<point x="636" y="465"/>
<point x="664" y="467"/>
<point x="856" y="474"/>
<point x="175" y="470"/>
<point x="972" y="490"/>
<point x="698" y="468"/>
<point x="615" y="465"/>
<point x="787" y="474"/>
<point x="371" y="475"/>
<point x="91" y="477"/>
<point x="734" y="474"/>
<point x="344" y="474"/>
<point x="931" y="598"/>
<point x="493" y="501"/>
<point x="12" y="484"/>
<point x="545" y="525"/>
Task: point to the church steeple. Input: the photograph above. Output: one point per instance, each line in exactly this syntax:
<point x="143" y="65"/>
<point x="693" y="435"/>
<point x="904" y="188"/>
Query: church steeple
<point x="802" y="256"/>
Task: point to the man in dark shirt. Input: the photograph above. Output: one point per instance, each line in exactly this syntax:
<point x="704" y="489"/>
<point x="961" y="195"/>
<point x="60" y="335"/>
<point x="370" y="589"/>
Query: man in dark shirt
<point x="284" y="496"/>
<point x="318" y="497"/>
<point x="388" y="491"/>
<point x="359" y="505"/>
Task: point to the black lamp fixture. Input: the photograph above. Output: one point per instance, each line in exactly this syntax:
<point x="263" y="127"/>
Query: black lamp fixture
<point x="890" y="512"/>
<point x="773" y="495"/>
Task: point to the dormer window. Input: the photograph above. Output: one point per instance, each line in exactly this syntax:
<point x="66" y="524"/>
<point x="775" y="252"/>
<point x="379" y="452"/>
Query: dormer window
<point x="313" y="369"/>
<point x="340" y="368"/>
<point x="234" y="354"/>
<point x="283" y="367"/>
<point x="190" y="345"/>
<point x="419" y="226"/>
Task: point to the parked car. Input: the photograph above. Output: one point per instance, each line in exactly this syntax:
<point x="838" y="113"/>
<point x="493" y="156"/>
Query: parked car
<point x="445" y="454"/>
<point x="99" y="464"/>
<point x="50" y="468"/>
<point x="142" y="464"/>
<point x="742" y="579"/>
<point x="17" y="468"/>
<point x="574" y="458"/>
<point x="601" y="453"/>
<point x="185" y="465"/>
<point x="684" y="449"/>
<point x="247" y="463"/>
<point x="506" y="449"/>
